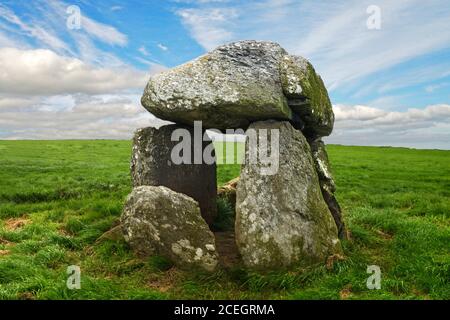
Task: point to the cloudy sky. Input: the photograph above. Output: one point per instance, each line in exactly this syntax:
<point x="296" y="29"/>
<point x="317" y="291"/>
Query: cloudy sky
<point x="389" y="85"/>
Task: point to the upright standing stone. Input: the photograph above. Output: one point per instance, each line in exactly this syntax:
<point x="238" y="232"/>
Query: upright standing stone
<point x="327" y="184"/>
<point x="152" y="165"/>
<point x="282" y="219"/>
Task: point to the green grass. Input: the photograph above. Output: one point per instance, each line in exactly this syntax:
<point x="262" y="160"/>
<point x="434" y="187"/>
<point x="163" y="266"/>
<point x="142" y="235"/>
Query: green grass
<point x="396" y="203"/>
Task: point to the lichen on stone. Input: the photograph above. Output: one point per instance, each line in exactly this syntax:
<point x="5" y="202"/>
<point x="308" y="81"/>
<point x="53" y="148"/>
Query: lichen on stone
<point x="282" y="219"/>
<point x="157" y="220"/>
<point x="307" y="95"/>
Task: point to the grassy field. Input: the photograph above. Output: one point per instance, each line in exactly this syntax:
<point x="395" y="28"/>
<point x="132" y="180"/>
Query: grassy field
<point x="58" y="197"/>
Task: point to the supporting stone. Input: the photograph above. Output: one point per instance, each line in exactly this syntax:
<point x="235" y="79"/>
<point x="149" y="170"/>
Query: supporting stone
<point x="157" y="220"/>
<point x="282" y="219"/>
<point x="327" y="184"/>
<point x="152" y="165"/>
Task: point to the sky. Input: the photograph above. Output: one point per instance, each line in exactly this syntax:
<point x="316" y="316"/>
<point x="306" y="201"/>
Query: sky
<point x="386" y="64"/>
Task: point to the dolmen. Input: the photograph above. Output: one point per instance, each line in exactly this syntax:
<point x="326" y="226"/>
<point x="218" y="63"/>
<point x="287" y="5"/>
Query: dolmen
<point x="286" y="211"/>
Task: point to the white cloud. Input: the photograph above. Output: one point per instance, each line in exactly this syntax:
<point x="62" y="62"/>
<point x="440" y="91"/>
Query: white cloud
<point x="209" y="27"/>
<point x="103" y="32"/>
<point x="332" y="34"/>
<point x="414" y="76"/>
<point x="81" y="117"/>
<point x="433" y="88"/>
<point x="143" y="50"/>
<point x="13" y="103"/>
<point x="356" y="113"/>
<point x="7" y="41"/>
<point x="66" y="89"/>
<point x="421" y="128"/>
<point x="77" y="89"/>
<point x="162" y="47"/>
<point x="56" y="12"/>
<point x="367" y="117"/>
<point x="89" y="53"/>
<point x="154" y="67"/>
<point x="43" y="72"/>
<point x="117" y="116"/>
<point x="116" y="8"/>
<point x="35" y="31"/>
<point x="200" y="2"/>
<point x="45" y="26"/>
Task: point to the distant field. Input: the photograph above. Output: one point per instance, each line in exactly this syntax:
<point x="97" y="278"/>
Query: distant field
<point x="58" y="197"/>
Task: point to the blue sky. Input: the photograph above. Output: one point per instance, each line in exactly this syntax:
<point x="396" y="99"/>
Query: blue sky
<point x="389" y="86"/>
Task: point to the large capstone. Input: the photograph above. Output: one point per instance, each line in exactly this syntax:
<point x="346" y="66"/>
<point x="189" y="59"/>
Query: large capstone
<point x="240" y="83"/>
<point x="327" y="184"/>
<point x="159" y="161"/>
<point x="307" y="96"/>
<point x="281" y="217"/>
<point x="159" y="221"/>
<point x="229" y="87"/>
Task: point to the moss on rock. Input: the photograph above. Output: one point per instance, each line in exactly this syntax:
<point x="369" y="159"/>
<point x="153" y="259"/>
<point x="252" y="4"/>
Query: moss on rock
<point x="307" y="95"/>
<point x="159" y="221"/>
<point x="282" y="219"/>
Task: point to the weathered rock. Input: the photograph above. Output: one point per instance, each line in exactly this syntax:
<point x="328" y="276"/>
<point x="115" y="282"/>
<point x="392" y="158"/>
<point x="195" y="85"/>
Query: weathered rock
<point x="157" y="220"/>
<point x="151" y="165"/>
<point x="282" y="218"/>
<point x="307" y="96"/>
<point x="327" y="184"/>
<point x="229" y="87"/>
<point x="336" y="212"/>
<point x="322" y="164"/>
<point x="240" y="83"/>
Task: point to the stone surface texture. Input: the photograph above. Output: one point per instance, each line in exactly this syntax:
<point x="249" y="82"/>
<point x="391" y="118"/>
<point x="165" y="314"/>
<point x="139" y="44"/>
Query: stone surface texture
<point x="229" y="87"/>
<point x="151" y="165"/>
<point x="307" y="96"/>
<point x="282" y="219"/>
<point x="157" y="220"/>
<point x="327" y="184"/>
